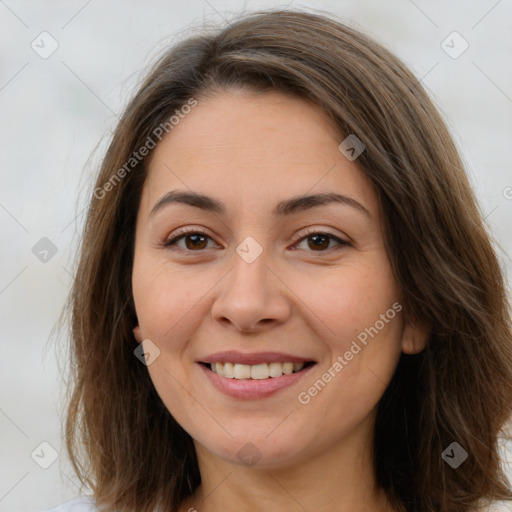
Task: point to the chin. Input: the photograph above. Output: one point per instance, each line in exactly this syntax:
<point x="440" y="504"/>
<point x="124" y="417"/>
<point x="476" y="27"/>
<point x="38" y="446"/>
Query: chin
<point x="253" y="449"/>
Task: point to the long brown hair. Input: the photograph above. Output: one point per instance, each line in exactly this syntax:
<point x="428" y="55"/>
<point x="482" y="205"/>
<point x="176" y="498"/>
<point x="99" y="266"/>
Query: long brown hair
<point x="123" y="442"/>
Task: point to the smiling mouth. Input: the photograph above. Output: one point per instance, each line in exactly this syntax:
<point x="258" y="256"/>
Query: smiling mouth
<point x="256" y="371"/>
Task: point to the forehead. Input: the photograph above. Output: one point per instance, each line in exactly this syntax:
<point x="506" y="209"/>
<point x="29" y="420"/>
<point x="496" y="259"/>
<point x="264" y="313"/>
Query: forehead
<point x="253" y="150"/>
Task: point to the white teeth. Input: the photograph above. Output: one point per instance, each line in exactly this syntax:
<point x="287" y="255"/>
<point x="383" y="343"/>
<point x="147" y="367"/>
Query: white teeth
<point x="229" y="370"/>
<point x="219" y="368"/>
<point x="255" y="371"/>
<point x="242" y="371"/>
<point x="287" y="368"/>
<point x="259" y="371"/>
<point x="275" y="369"/>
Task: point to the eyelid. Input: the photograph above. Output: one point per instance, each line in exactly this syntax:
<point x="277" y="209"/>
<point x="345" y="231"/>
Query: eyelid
<point x="182" y="232"/>
<point x="301" y="236"/>
<point x="318" y="231"/>
<point x="186" y="230"/>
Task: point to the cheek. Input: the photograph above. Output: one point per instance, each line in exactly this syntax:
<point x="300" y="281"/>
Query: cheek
<point x="358" y="312"/>
<point x="168" y="308"/>
<point x="349" y="299"/>
<point x="348" y="387"/>
<point x="163" y="298"/>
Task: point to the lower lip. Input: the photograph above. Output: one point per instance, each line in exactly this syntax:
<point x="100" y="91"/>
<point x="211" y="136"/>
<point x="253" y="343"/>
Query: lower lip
<point x="250" y="389"/>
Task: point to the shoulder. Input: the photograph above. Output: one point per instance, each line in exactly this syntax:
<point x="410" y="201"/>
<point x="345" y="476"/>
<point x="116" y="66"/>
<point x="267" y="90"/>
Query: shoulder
<point x="83" y="504"/>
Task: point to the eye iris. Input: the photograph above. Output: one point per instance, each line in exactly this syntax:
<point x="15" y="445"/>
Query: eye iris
<point x="195" y="243"/>
<point x="198" y="241"/>
<point x="316" y="237"/>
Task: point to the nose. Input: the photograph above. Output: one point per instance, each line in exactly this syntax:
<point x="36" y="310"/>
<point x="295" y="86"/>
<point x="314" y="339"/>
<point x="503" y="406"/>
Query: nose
<point x="252" y="297"/>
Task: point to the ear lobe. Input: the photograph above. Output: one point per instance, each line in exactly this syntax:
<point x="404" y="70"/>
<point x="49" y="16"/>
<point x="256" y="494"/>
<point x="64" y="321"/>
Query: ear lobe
<point x="137" y="333"/>
<point x="414" y="338"/>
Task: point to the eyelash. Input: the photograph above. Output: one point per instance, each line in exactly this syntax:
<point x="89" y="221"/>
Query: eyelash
<point x="183" y="233"/>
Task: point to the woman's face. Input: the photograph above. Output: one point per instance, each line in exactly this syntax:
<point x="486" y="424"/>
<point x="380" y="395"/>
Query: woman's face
<point x="263" y="278"/>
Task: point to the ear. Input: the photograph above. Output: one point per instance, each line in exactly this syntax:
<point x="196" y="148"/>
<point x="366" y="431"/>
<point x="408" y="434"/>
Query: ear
<point x="137" y="333"/>
<point x="414" y="338"/>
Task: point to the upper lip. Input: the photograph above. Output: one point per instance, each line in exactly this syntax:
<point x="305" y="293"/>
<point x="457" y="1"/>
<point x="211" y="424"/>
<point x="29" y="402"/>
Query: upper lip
<point x="232" y="356"/>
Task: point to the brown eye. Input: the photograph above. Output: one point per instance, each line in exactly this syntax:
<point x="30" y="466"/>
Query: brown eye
<point x="319" y="242"/>
<point x="194" y="241"/>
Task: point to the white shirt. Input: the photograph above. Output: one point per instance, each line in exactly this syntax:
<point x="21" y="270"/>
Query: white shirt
<point x="83" y="504"/>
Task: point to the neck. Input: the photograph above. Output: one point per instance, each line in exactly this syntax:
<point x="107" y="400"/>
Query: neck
<point x="341" y="478"/>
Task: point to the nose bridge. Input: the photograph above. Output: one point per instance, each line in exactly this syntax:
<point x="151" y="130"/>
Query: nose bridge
<point x="251" y="296"/>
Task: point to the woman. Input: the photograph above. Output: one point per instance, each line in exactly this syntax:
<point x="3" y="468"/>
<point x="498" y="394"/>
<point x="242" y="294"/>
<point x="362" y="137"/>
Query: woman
<point x="286" y="298"/>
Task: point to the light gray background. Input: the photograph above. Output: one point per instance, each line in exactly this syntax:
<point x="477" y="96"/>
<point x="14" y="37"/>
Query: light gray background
<point x="55" y="111"/>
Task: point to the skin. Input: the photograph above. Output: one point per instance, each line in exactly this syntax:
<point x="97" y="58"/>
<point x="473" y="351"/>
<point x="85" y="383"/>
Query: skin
<point x="250" y="151"/>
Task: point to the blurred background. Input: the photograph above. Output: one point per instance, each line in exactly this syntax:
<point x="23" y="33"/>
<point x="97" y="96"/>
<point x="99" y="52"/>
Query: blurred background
<point x="67" y="69"/>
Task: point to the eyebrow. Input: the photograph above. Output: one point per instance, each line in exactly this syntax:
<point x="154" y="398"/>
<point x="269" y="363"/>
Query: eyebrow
<point x="286" y="207"/>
